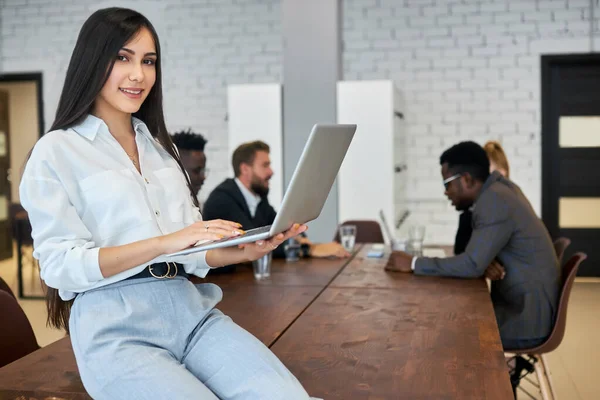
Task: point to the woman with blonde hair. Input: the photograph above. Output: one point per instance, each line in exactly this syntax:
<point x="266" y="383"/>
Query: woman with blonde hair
<point x="498" y="161"/>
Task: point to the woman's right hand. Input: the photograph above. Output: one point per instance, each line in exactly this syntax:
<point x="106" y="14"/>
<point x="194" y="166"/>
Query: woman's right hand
<point x="202" y="230"/>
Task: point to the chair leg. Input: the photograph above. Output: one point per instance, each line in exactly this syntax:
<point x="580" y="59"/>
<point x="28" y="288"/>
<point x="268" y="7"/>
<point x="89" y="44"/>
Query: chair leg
<point x="542" y="379"/>
<point x="548" y="376"/>
<point x="520" y="389"/>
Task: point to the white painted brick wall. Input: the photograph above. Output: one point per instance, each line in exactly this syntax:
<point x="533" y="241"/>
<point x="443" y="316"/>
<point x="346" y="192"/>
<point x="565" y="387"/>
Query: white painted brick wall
<point x="468" y="70"/>
<point x="206" y="46"/>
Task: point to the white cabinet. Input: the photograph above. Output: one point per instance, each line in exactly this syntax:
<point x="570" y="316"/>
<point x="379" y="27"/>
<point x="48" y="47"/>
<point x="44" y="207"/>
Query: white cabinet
<point x="255" y="113"/>
<point x="373" y="174"/>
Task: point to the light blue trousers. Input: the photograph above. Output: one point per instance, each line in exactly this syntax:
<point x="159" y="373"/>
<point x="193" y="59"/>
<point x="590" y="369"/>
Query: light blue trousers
<point x="163" y="339"/>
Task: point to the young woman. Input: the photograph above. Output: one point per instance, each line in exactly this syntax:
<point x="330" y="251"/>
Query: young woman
<point x="107" y="198"/>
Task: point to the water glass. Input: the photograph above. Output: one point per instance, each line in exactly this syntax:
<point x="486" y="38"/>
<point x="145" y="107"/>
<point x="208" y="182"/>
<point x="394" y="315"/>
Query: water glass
<point x="292" y="250"/>
<point x="416" y="234"/>
<point x="262" y="267"/>
<point x="348" y="237"/>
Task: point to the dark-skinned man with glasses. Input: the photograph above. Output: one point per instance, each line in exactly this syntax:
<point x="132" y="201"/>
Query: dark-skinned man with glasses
<point x="509" y="244"/>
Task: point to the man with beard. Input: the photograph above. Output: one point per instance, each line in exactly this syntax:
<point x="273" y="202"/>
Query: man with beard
<point x="509" y="244"/>
<point x="244" y="199"/>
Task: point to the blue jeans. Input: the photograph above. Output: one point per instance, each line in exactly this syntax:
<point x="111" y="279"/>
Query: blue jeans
<point x="163" y="339"/>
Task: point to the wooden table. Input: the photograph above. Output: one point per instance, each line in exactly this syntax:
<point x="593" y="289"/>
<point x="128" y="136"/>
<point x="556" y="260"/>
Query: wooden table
<point x="374" y="334"/>
<point x="349" y="331"/>
<point x="305" y="272"/>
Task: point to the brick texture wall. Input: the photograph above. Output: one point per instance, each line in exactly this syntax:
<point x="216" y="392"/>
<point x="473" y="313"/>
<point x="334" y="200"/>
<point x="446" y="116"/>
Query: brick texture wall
<point x="468" y="69"/>
<point x="206" y="46"/>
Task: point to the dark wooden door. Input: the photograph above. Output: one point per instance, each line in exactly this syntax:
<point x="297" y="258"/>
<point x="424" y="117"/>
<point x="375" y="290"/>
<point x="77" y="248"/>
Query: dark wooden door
<point x="6" y="244"/>
<point x="571" y="153"/>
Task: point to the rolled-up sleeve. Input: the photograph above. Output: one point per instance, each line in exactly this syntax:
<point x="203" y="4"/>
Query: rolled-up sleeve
<point x="68" y="256"/>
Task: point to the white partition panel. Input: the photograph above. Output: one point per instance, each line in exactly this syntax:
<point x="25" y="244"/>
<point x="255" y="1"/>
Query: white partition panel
<point x="255" y="113"/>
<point x="366" y="179"/>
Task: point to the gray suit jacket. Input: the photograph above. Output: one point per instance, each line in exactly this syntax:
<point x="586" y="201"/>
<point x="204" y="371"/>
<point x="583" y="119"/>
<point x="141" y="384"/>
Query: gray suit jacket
<point x="506" y="228"/>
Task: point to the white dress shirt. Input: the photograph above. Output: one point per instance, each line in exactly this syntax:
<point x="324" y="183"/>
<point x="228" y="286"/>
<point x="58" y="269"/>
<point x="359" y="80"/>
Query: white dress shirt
<point x="82" y="192"/>
<point x="252" y="200"/>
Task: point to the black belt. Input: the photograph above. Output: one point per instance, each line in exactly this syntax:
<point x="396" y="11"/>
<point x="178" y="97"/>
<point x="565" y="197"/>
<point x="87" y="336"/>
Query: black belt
<point x="163" y="270"/>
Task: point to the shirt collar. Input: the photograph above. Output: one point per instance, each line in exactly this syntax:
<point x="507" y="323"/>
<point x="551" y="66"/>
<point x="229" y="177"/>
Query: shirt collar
<point x="140" y="126"/>
<point x="91" y="125"/>
<point x="252" y="199"/>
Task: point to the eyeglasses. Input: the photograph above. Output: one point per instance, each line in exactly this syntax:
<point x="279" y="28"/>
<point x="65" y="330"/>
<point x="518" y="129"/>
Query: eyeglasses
<point x="446" y="182"/>
<point x="203" y="171"/>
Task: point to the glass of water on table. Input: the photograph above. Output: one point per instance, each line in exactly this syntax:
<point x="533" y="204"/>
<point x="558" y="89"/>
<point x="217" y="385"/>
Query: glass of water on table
<point x="262" y="267"/>
<point x="416" y="234"/>
<point x="348" y="237"/>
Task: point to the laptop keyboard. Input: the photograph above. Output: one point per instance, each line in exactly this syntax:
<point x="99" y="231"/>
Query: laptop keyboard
<point x="256" y="231"/>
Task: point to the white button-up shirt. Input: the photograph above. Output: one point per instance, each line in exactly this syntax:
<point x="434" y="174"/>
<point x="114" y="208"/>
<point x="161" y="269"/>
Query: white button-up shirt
<point x="82" y="192"/>
<point x="252" y="200"/>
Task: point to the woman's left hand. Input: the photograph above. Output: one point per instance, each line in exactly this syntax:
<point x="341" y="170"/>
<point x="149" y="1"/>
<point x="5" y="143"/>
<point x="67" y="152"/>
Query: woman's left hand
<point x="254" y="251"/>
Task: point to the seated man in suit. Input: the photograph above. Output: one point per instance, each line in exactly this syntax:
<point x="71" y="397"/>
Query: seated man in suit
<point x="191" y="150"/>
<point x="505" y="228"/>
<point x="244" y="199"/>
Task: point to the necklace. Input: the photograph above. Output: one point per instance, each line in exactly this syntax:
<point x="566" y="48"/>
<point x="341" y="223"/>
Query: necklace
<point x="132" y="158"/>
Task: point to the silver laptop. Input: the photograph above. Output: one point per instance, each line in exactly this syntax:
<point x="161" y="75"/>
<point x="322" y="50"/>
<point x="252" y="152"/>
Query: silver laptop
<point x="310" y="185"/>
<point x="386" y="227"/>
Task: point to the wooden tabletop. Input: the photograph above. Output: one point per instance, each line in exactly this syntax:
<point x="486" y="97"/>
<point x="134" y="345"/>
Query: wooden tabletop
<point x="365" y="272"/>
<point x="371" y="344"/>
<point x="305" y="272"/>
<point x="50" y="372"/>
<point x="265" y="311"/>
<point x="350" y="331"/>
<point x="374" y="334"/>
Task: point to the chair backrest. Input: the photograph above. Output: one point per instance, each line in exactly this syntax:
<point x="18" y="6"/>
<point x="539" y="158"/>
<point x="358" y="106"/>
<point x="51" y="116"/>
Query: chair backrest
<point x="560" y="245"/>
<point x="4" y="286"/>
<point x="20" y="224"/>
<point x="16" y="336"/>
<point x="367" y="231"/>
<point x="569" y="271"/>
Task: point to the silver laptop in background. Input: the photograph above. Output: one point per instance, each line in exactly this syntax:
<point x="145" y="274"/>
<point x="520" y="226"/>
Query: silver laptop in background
<point x="386" y="227"/>
<point x="308" y="189"/>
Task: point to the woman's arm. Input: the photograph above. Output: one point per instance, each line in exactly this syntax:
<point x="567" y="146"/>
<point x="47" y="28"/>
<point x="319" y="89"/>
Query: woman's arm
<point x="114" y="260"/>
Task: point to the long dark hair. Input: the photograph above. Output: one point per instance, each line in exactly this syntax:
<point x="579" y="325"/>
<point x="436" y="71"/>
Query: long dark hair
<point x="99" y="41"/>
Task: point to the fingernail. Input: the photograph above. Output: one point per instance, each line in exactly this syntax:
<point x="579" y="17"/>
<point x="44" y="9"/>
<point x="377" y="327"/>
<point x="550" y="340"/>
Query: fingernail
<point x="296" y="226"/>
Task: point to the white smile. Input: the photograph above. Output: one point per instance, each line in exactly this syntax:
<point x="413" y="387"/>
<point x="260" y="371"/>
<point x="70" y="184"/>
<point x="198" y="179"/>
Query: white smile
<point x="130" y="91"/>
